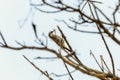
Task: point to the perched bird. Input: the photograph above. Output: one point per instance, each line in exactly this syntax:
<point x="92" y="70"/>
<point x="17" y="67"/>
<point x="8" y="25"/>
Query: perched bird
<point x="58" y="40"/>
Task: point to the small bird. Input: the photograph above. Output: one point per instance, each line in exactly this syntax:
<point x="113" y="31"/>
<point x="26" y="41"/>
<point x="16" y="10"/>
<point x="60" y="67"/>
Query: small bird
<point x="58" y="40"/>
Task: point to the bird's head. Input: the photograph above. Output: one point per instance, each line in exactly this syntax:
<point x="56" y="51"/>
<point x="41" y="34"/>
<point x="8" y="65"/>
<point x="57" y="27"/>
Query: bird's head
<point x="52" y="33"/>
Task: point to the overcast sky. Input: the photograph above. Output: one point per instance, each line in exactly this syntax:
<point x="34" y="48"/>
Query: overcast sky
<point x="12" y="64"/>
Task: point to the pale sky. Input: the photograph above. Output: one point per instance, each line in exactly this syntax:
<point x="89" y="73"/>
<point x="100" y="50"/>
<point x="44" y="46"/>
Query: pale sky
<point x="15" y="67"/>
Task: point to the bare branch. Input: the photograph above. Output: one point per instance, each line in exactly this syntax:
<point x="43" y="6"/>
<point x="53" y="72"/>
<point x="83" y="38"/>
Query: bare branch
<point x="34" y="29"/>
<point x="4" y="41"/>
<point x="68" y="71"/>
<point x="93" y="15"/>
<point x="96" y="60"/>
<point x="98" y="26"/>
<point x="105" y="63"/>
<point x="46" y="74"/>
<point x="60" y="75"/>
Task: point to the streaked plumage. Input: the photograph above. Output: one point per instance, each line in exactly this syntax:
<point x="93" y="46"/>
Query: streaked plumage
<point x="58" y="40"/>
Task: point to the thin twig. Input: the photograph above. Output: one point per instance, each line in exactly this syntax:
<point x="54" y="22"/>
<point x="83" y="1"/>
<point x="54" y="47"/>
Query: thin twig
<point x="105" y="63"/>
<point x="35" y="30"/>
<point x="65" y="38"/>
<point x="5" y="43"/>
<point x="72" y="52"/>
<point x="38" y="68"/>
<point x="98" y="26"/>
<point x="68" y="71"/>
<point x="61" y="75"/>
<point x="46" y="57"/>
<point x="96" y="60"/>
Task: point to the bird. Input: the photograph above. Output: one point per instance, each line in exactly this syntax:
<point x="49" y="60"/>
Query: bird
<point x="58" y="40"/>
